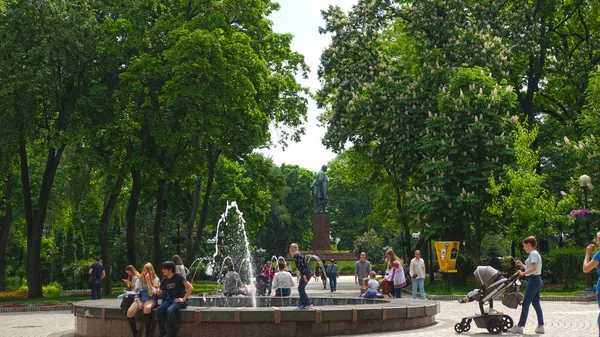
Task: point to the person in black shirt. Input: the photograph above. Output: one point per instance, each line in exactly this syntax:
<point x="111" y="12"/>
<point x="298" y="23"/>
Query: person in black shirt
<point x="96" y="273"/>
<point x="174" y="290"/>
<point x="305" y="275"/>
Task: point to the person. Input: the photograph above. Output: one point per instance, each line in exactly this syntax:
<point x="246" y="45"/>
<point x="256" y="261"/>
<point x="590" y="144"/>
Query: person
<point x="394" y="272"/>
<point x="362" y="268"/>
<point x="288" y="268"/>
<point x="179" y="267"/>
<point x="283" y="281"/>
<point x="173" y="292"/>
<point x="533" y="273"/>
<point x="232" y="283"/>
<point x="371" y="286"/>
<point x="417" y="274"/>
<point x="268" y="272"/>
<point x="332" y="271"/>
<point x="97" y="273"/>
<point x="320" y="272"/>
<point x="589" y="264"/>
<point x="145" y="300"/>
<point x="132" y="276"/>
<point x="319" y="191"/>
<point x="305" y="275"/>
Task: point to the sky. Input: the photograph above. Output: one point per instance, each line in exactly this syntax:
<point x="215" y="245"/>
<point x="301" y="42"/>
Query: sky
<point x="302" y="18"/>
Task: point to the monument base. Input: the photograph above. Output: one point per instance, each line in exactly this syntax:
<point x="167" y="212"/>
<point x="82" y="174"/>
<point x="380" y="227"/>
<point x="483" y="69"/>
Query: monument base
<point x="321" y="232"/>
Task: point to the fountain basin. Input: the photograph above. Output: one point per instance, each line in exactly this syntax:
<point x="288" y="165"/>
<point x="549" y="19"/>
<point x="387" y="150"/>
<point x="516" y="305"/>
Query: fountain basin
<point x="271" y="317"/>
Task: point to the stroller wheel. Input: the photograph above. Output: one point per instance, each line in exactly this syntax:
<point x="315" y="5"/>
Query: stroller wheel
<point x="507" y="323"/>
<point x="466" y="328"/>
<point x="458" y="328"/>
<point x="494" y="325"/>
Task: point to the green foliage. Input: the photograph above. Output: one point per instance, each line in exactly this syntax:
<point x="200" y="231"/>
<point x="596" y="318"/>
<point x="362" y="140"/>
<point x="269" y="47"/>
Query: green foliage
<point x="352" y="195"/>
<point x="370" y="243"/>
<point x="76" y="274"/>
<point x="53" y="289"/>
<point x="563" y="266"/>
<point x="533" y="209"/>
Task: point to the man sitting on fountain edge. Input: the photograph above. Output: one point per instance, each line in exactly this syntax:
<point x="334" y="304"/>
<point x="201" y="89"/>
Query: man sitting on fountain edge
<point x="173" y="292"/>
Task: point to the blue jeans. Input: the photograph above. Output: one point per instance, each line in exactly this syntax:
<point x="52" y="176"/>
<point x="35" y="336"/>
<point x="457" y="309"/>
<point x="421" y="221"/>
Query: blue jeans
<point x="302" y="288"/>
<point x="269" y="286"/>
<point x="398" y="292"/>
<point x="97" y="290"/>
<point x="370" y="294"/>
<point x="283" y="292"/>
<point x="532" y="296"/>
<point x="332" y="281"/>
<point x="598" y="299"/>
<point x="418" y="282"/>
<point x="168" y="311"/>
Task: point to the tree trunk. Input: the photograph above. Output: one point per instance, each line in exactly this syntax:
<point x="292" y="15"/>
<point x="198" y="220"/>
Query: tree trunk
<point x="478" y="237"/>
<point x="212" y="157"/>
<point x="134" y="200"/>
<point x="5" y="223"/>
<point x="109" y="207"/>
<point x="193" y="215"/>
<point x="158" y="221"/>
<point x="35" y="218"/>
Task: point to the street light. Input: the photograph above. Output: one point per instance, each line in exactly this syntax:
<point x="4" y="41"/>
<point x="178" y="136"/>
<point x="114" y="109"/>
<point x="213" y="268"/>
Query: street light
<point x="586" y="184"/>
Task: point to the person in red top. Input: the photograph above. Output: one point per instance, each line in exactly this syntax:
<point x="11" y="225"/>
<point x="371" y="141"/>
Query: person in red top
<point x="269" y="272"/>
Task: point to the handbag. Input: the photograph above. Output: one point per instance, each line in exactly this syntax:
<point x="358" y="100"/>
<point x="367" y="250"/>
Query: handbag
<point x="126" y="303"/>
<point x="91" y="280"/>
<point x="387" y="287"/>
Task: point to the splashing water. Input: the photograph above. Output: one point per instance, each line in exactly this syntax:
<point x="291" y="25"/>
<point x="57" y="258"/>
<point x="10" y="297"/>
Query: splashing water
<point x="231" y="242"/>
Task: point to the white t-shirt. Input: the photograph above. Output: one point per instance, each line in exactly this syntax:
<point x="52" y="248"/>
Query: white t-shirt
<point x="283" y="280"/>
<point x="534" y="257"/>
<point x="373" y="285"/>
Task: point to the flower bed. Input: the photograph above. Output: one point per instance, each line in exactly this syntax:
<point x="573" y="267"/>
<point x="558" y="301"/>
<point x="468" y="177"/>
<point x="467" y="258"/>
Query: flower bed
<point x="76" y="292"/>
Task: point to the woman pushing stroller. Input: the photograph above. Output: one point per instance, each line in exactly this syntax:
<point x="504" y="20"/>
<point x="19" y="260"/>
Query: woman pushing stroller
<point x="533" y="274"/>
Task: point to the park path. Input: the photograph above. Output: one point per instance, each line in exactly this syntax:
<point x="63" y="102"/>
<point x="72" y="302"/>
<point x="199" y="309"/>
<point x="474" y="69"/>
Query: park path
<point x="562" y="318"/>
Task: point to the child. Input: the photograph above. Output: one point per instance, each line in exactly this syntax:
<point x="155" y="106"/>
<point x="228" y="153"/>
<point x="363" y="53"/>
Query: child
<point x="371" y="286"/>
<point x="179" y="267"/>
<point x="283" y="281"/>
<point x="305" y="275"/>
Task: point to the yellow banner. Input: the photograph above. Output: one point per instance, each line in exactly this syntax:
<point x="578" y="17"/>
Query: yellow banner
<point x="447" y="253"/>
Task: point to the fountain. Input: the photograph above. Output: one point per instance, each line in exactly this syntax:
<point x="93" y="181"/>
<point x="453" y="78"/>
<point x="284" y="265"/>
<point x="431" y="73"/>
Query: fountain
<point x="262" y="315"/>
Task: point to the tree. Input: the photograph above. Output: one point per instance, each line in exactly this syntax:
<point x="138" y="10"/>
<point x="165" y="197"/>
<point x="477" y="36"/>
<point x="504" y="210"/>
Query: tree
<point x="353" y="190"/>
<point x="533" y="209"/>
<point x="46" y="66"/>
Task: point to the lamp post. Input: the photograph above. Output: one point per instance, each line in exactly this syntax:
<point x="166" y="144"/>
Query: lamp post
<point x="586" y="183"/>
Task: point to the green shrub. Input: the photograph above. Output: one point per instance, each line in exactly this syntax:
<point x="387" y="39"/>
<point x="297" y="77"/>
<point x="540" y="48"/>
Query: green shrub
<point x="563" y="266"/>
<point x="51" y="290"/>
<point x="372" y="245"/>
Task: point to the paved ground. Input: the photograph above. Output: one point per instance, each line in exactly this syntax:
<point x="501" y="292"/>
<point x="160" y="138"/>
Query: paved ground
<point x="562" y="318"/>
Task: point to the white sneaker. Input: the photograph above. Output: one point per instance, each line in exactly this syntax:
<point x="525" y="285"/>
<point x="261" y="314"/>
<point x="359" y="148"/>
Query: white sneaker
<point x="539" y="330"/>
<point x="516" y="330"/>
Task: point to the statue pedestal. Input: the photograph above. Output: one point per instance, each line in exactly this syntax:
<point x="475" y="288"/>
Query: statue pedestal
<point x="321" y="232"/>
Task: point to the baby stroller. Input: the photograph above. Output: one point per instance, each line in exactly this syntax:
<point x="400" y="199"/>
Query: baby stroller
<point x="490" y="285"/>
<point x="261" y="285"/>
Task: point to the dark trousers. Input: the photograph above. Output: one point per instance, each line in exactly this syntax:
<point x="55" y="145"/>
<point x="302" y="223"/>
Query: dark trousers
<point x="269" y="286"/>
<point x="97" y="290"/>
<point x="532" y="296"/>
<point x="168" y="311"/>
<point x="398" y="292"/>
<point x="332" y="281"/>
<point x="302" y="288"/>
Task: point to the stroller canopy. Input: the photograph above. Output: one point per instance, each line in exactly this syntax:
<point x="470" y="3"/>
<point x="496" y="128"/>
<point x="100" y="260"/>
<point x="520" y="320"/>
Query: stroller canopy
<point x="487" y="277"/>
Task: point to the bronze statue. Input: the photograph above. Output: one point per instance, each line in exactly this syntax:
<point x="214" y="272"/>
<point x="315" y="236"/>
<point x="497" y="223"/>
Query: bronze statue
<point x="319" y="191"/>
